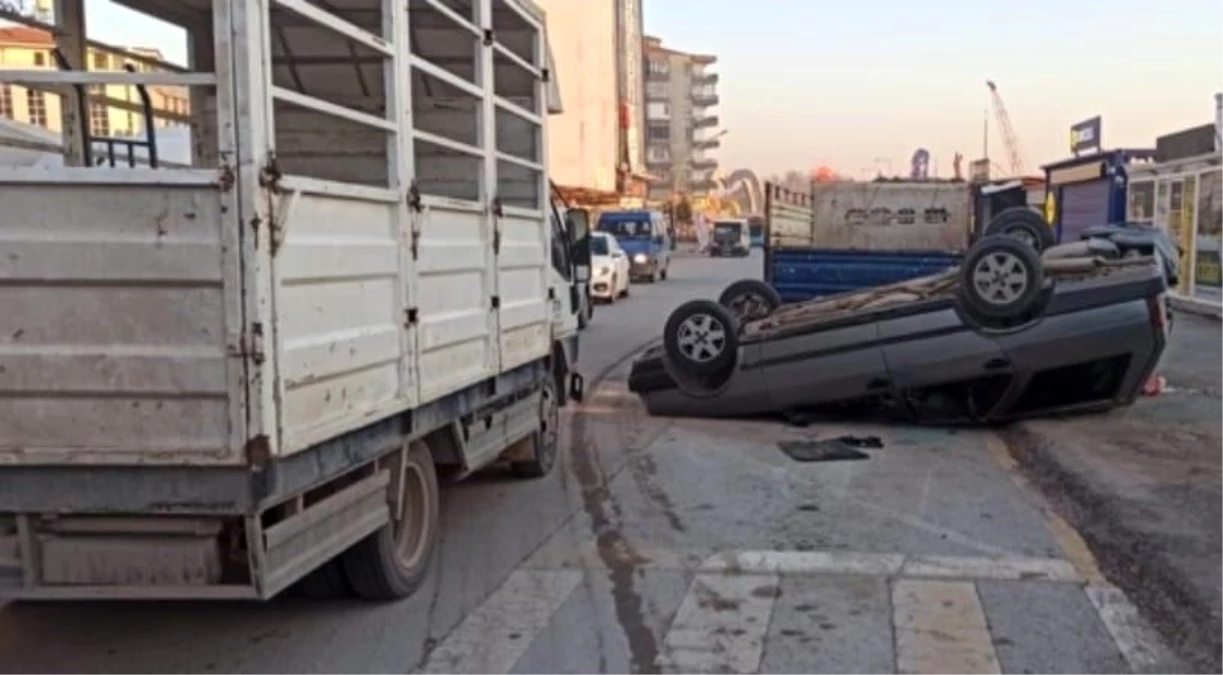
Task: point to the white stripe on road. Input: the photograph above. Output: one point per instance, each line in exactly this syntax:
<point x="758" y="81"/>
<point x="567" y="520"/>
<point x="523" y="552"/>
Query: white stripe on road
<point x="964" y="567"/>
<point x="1141" y="647"/>
<point x="721" y="625"/>
<point x="940" y="628"/>
<point x="496" y="634"/>
<point x="1016" y="568"/>
<point x="804" y="562"/>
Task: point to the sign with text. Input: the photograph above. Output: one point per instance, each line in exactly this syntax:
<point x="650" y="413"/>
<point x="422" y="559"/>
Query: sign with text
<point x="1085" y="136"/>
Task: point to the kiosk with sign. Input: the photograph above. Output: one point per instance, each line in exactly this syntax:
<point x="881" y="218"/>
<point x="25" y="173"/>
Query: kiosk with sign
<point x="1089" y="190"/>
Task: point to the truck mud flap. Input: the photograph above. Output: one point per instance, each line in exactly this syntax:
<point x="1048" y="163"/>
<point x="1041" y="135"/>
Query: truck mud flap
<point x="577" y="387"/>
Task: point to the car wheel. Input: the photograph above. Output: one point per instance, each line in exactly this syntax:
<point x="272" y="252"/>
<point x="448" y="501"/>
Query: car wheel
<point x="624" y="291"/>
<point x="1023" y="224"/>
<point x="663" y="274"/>
<point x="392" y="562"/>
<point x="544" y="441"/>
<point x="701" y="337"/>
<point x="750" y="299"/>
<point x="1001" y="278"/>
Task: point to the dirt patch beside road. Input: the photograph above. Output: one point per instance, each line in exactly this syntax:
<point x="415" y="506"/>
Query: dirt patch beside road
<point x="1143" y="486"/>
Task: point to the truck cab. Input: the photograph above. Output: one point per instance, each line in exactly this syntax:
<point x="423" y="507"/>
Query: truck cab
<point x="644" y="237"/>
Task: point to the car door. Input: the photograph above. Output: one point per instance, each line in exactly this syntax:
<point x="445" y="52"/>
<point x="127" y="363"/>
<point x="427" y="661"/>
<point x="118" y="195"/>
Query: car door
<point x="822" y="364"/>
<point x="929" y="347"/>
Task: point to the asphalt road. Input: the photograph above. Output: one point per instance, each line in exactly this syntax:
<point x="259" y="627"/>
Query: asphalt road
<point x="671" y="545"/>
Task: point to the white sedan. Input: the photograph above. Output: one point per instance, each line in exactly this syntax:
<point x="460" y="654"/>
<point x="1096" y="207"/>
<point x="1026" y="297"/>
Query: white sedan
<point x="610" y="267"/>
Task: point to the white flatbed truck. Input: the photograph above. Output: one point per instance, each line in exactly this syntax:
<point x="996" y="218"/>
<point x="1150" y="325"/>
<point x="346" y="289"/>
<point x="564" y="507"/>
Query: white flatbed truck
<point x="221" y="379"/>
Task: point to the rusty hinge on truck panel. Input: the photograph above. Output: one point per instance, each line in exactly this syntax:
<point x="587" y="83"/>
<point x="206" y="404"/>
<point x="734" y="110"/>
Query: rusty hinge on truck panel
<point x="226" y="177"/>
<point x="414" y="197"/>
<point x="496" y="302"/>
<point x="488" y="37"/>
<point x="269" y="176"/>
<point x="412" y="315"/>
<point x="258" y="451"/>
<point x="250" y="345"/>
<point x="496" y="241"/>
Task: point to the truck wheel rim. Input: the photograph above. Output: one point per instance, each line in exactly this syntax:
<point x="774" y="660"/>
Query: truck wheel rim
<point x="701" y="338"/>
<point x="412" y="530"/>
<point x="1000" y="278"/>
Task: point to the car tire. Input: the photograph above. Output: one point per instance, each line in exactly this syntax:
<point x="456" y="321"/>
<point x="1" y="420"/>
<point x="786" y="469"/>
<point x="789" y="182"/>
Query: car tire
<point x="1001" y="278"/>
<point x="624" y="293"/>
<point x="750" y="299"/>
<point x="701" y="337"/>
<point x="1023" y="224"/>
<point x="663" y="275"/>
<point x="376" y="566"/>
<point x="545" y="440"/>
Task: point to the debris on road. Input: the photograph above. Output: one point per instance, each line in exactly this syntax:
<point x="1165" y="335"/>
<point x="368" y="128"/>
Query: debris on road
<point x="829" y="449"/>
<point x="1155" y="385"/>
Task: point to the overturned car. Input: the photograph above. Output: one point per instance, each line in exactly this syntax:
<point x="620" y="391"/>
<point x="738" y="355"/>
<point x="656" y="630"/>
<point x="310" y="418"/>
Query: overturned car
<point x="1011" y="332"/>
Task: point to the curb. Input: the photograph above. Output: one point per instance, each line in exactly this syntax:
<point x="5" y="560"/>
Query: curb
<point x="1126" y="555"/>
<point x="1196" y="307"/>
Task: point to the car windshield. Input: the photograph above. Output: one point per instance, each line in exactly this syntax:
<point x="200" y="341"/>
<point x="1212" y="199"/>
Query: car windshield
<point x="598" y="246"/>
<point x="632" y="229"/>
<point x="726" y="228"/>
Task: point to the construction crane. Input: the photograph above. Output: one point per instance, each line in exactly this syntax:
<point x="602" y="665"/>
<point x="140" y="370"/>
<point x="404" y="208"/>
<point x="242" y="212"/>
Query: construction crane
<point x="1008" y="132"/>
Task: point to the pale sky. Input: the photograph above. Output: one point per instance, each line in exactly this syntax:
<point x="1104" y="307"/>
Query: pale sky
<point x="855" y="85"/>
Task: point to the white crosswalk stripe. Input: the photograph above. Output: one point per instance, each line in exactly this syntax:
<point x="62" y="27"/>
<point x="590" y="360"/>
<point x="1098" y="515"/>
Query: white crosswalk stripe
<point x="940" y="628"/>
<point x="721" y="625"/>
<point x="724" y="620"/>
<point x="492" y="638"/>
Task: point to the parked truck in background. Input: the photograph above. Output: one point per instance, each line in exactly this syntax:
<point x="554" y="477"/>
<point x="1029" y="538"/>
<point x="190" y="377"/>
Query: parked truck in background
<point x="844" y="236"/>
<point x="224" y="379"/>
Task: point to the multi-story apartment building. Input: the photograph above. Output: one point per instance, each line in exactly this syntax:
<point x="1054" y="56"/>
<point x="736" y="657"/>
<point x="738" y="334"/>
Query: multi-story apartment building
<point x="682" y="130"/>
<point x="25" y="48"/>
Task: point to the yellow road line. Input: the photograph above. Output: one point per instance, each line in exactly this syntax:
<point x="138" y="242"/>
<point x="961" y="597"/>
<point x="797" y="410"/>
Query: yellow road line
<point x="1068" y="539"/>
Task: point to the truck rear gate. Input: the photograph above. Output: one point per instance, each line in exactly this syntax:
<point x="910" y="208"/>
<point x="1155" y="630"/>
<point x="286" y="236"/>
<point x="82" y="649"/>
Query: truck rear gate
<point x="214" y="361"/>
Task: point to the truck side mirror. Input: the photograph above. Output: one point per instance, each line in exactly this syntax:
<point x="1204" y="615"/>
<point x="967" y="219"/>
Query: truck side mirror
<point x="577" y="227"/>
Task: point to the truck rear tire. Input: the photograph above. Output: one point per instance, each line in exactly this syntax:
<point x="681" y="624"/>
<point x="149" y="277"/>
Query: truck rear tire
<point x="328" y="582"/>
<point x="544" y="442"/>
<point x="392" y="563"/>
